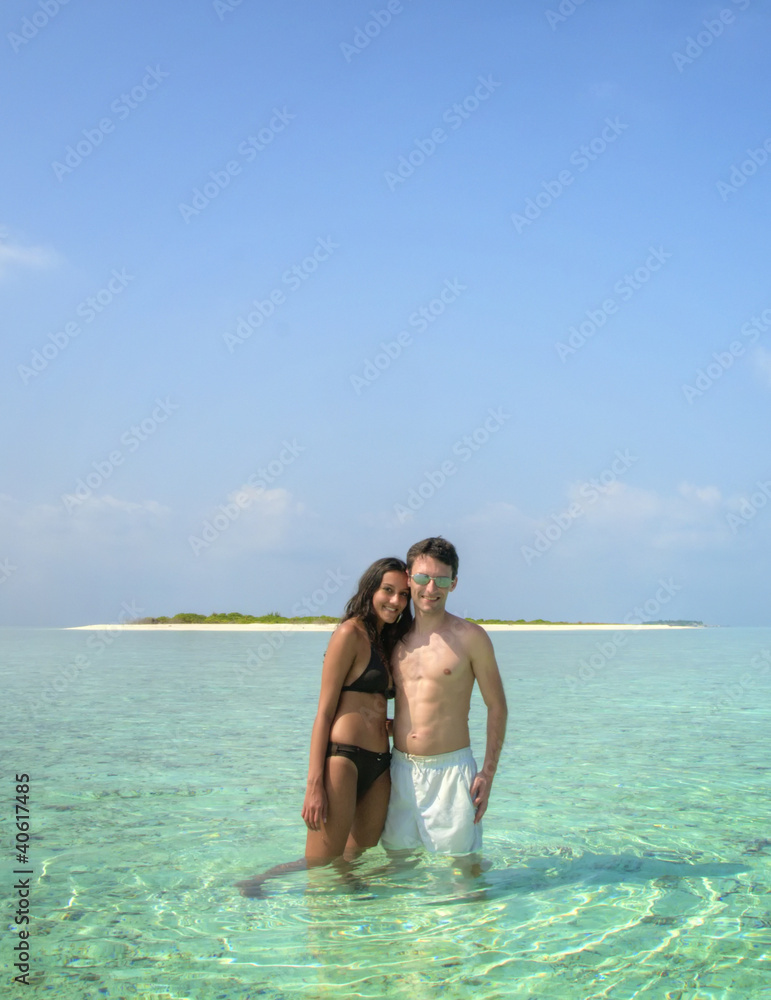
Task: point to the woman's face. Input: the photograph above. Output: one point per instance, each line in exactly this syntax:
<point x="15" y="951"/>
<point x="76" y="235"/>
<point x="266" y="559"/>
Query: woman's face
<point x="391" y="597"/>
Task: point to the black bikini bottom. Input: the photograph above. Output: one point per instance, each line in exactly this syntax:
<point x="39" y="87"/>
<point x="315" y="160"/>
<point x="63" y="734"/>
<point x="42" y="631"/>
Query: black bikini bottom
<point x="370" y="765"/>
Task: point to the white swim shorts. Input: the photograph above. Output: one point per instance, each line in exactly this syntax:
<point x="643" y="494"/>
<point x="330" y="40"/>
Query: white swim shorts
<point x="430" y="804"/>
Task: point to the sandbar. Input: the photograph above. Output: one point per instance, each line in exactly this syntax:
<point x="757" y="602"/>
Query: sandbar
<point x="278" y="627"/>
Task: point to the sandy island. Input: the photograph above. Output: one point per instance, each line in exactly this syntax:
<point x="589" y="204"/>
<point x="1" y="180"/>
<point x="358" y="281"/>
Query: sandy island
<point x="259" y="627"/>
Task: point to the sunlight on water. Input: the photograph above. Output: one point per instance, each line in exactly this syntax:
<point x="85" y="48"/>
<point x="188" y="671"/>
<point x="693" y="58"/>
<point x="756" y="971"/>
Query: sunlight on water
<point x="628" y="836"/>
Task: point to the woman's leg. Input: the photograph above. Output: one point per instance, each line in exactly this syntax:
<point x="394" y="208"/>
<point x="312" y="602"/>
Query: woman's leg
<point x="252" y="887"/>
<point x="321" y="846"/>
<point x="340" y="778"/>
<point x="370" y="816"/>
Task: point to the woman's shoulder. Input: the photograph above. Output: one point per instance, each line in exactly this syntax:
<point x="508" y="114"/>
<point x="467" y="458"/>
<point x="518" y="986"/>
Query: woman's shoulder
<point x="352" y="628"/>
<point x="351" y="633"/>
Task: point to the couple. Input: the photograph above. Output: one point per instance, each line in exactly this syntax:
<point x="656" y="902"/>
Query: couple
<point x="429" y="794"/>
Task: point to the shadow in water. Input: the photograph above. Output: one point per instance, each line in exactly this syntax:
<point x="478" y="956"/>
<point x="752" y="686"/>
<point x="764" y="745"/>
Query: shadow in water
<point x="456" y="881"/>
<point x="538" y="874"/>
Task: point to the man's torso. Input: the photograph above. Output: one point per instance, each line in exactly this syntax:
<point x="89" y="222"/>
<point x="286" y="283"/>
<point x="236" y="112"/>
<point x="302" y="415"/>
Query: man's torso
<point x="434" y="679"/>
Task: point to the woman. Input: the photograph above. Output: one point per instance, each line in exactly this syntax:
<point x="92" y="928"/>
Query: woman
<point x="346" y="796"/>
<point x="348" y="778"/>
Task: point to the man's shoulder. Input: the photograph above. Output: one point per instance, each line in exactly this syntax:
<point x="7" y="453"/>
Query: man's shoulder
<point x="463" y="629"/>
<point x="475" y="643"/>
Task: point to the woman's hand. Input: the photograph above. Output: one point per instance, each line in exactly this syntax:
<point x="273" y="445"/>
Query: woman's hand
<point x="314" y="810"/>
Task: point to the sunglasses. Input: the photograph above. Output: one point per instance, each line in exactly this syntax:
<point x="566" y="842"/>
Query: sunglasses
<point x="441" y="581"/>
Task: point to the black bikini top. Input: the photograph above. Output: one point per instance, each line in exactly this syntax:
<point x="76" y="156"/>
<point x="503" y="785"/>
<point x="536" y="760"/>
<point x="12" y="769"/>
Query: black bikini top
<point x="374" y="680"/>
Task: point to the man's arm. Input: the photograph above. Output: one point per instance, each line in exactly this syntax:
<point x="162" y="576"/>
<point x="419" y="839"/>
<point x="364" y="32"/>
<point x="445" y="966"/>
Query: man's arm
<point x="485" y="670"/>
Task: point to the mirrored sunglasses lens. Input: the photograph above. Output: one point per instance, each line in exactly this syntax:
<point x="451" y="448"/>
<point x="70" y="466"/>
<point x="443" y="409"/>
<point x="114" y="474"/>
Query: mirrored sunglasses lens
<point x="441" y="581"/>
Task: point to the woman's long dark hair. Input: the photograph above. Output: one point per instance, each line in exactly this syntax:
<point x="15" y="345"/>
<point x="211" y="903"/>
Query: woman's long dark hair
<point x="360" y="606"/>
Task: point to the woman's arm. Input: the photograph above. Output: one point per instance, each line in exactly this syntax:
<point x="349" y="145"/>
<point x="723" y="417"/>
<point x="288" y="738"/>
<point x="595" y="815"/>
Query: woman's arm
<point x="339" y="658"/>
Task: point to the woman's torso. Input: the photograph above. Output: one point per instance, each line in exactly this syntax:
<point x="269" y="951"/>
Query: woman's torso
<point x="360" y="718"/>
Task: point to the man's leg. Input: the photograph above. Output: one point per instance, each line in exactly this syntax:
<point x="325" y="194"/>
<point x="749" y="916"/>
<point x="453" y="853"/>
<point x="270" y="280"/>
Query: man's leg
<point x="401" y="832"/>
<point x="446" y="809"/>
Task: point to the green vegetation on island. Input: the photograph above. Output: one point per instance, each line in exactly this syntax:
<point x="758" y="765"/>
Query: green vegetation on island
<point x="274" y="618"/>
<point x="543" y="621"/>
<point x="678" y="621"/>
<point x="235" y="618"/>
<point x="521" y="621"/>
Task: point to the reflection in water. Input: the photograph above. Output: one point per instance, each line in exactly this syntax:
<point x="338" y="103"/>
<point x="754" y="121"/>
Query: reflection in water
<point x="392" y="927"/>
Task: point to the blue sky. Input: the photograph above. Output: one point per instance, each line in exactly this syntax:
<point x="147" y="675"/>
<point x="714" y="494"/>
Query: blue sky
<point x="285" y="290"/>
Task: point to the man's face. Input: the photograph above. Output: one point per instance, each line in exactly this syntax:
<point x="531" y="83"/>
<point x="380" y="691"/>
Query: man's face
<point x="428" y="597"/>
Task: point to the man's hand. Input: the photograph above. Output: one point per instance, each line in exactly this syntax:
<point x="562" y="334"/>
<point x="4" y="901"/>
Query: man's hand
<point x="314" y="810"/>
<point x="480" y="795"/>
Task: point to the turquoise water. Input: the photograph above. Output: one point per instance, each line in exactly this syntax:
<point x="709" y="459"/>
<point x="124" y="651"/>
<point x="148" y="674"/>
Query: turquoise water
<point x="628" y="829"/>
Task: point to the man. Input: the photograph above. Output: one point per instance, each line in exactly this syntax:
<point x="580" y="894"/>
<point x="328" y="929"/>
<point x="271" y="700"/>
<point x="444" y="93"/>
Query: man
<point x="437" y="797"/>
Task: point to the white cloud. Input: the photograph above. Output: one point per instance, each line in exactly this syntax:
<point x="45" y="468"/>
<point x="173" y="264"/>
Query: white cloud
<point x="499" y="514"/>
<point x="618" y="516"/>
<point x="14" y="255"/>
<point x="52" y="529"/>
<point x="691" y="518"/>
<point x="762" y="361"/>
<point x="252" y="519"/>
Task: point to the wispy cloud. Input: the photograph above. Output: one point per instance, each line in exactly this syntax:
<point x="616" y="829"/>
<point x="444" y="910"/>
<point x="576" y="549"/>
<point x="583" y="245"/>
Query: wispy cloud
<point x="98" y="520"/>
<point x="253" y="520"/>
<point x="762" y="360"/>
<point x="15" y="255"/>
<point x="690" y="518"/>
<point x="617" y="516"/>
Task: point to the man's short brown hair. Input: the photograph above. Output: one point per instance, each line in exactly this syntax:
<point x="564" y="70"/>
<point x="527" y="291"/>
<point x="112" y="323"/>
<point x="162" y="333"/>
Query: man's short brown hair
<point x="438" y="548"/>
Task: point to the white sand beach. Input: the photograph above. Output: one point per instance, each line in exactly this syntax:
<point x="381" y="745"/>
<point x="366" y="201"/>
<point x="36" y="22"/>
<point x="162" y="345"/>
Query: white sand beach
<point x="258" y="627"/>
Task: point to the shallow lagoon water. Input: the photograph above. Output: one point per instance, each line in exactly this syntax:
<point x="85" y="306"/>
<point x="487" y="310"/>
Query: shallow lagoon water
<point x="628" y="833"/>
